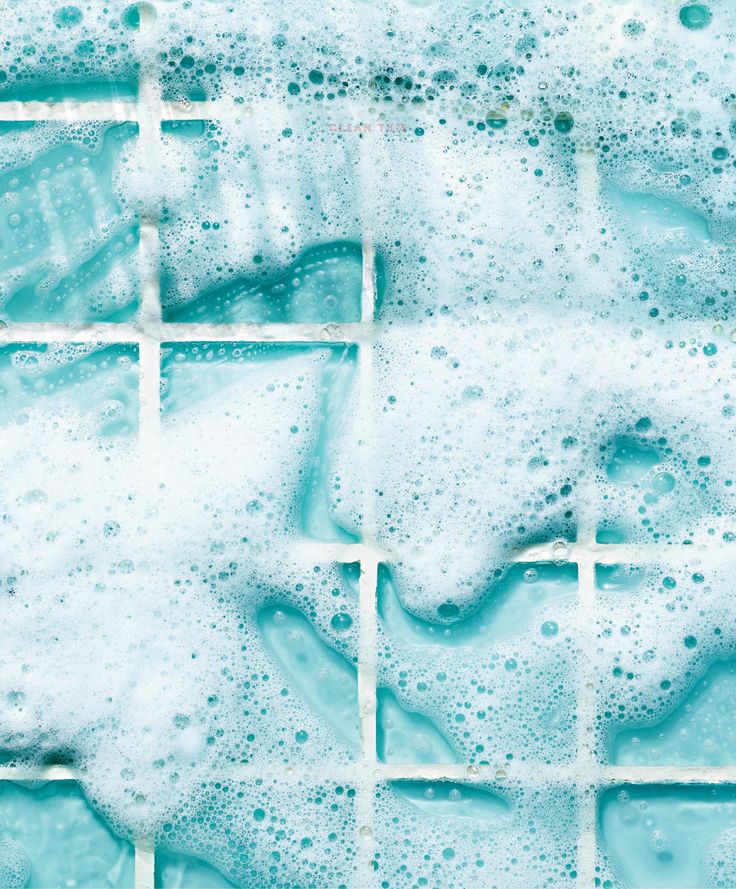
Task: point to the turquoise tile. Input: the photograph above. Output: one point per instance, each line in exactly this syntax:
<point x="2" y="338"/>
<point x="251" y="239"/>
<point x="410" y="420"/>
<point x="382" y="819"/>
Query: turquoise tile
<point x="52" y="836"/>
<point x="285" y="833"/>
<point x="69" y="232"/>
<point x="242" y="244"/>
<point x="308" y="387"/>
<point x="83" y="51"/>
<point x="177" y="871"/>
<point x="96" y="382"/>
<point x="486" y="681"/>
<point x="444" y="834"/>
<point x="666" y="836"/>
<point x="664" y="666"/>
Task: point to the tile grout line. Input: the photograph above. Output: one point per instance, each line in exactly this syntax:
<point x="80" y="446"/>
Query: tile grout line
<point x="586" y="764"/>
<point x="366" y="789"/>
<point x="460" y="772"/>
<point x="148" y="111"/>
<point x="149" y="347"/>
<point x="112" y="332"/>
<point x="588" y="191"/>
<point x="144" y="866"/>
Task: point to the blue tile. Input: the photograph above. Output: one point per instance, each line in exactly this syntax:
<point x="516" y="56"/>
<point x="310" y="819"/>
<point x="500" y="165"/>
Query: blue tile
<point x="70" y="231"/>
<point x="443" y="835"/>
<point x="668" y="836"/>
<point x="490" y="681"/>
<point x="283" y="833"/>
<point x="51" y="836"/>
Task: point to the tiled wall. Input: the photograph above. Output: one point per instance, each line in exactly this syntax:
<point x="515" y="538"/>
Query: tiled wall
<point x="469" y="746"/>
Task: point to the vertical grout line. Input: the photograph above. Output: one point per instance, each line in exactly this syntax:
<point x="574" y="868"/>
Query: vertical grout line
<point x="149" y="401"/>
<point x="588" y="772"/>
<point x="144" y="866"/>
<point x="368" y="287"/>
<point x="149" y="315"/>
<point x="586" y="766"/>
<point x="366" y="790"/>
<point x="367" y="772"/>
<point x="149" y="318"/>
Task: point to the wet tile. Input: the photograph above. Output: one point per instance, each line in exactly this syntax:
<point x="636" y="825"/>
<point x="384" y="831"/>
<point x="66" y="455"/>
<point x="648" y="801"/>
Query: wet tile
<point x="449" y="834"/>
<point x="69" y="229"/>
<point x="95" y="385"/>
<point x="254" y="228"/>
<point x="666" y="835"/>
<point x="284" y="833"/>
<point x="52" y="835"/>
<point x="59" y="52"/>
<point x="177" y="871"/>
<point x="488" y="682"/>
<point x="664" y="665"/>
<point x="276" y="404"/>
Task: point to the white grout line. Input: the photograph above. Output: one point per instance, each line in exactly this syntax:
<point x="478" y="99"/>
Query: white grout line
<point x="149" y="402"/>
<point x="629" y="553"/>
<point x="586" y="710"/>
<point x="366" y="791"/>
<point x="37" y="773"/>
<point x="144" y="865"/>
<point x="167" y="332"/>
<point x="588" y="187"/>
<point x="366" y="783"/>
<point x="144" y="108"/>
<point x="350" y="773"/>
<point x="149" y="346"/>
<point x="368" y="287"/>
<point x="149" y="331"/>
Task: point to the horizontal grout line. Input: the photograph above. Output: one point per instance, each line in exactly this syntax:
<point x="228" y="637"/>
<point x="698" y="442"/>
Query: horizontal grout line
<point x="150" y="107"/>
<point x="608" y="553"/>
<point x="508" y="773"/>
<point x="163" y="332"/>
<point x="121" y="110"/>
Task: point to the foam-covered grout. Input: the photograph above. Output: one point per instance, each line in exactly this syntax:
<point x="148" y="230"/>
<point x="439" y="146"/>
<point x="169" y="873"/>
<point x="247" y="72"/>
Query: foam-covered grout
<point x="580" y="549"/>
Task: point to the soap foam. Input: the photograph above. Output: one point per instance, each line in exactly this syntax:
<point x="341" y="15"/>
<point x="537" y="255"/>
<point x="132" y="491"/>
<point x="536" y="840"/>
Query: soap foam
<point x="549" y="191"/>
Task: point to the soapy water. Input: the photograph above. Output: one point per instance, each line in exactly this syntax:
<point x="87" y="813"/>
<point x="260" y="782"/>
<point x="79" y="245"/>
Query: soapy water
<point x="668" y="836"/>
<point x="69" y="233"/>
<point x="664" y="657"/>
<point x="171" y="552"/>
<point x="549" y="192"/>
<point x="530" y="435"/>
<point x="443" y="834"/>
<point x="159" y="667"/>
<point x="68" y="843"/>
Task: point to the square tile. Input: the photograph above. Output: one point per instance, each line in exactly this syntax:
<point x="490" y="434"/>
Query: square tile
<point x="664" y="664"/>
<point x="653" y="836"/>
<point x="242" y="244"/>
<point x="52" y="835"/>
<point x="491" y="683"/>
<point x="69" y="230"/>
<point x="291" y="832"/>
<point x="444" y="834"/>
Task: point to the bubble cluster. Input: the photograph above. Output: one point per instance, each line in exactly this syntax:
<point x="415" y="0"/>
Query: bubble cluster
<point x="443" y="834"/>
<point x="538" y="199"/>
<point x="144" y="665"/>
<point x="58" y="51"/>
<point x="665" y="665"/>
<point x="69" y="230"/>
